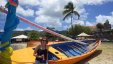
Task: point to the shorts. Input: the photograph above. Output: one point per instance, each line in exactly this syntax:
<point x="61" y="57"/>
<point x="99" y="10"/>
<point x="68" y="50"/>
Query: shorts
<point x="38" y="62"/>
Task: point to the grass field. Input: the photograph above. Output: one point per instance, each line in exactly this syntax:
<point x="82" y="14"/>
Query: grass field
<point x="106" y="56"/>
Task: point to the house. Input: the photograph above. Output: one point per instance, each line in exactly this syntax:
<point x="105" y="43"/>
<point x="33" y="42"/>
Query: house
<point x="20" y="38"/>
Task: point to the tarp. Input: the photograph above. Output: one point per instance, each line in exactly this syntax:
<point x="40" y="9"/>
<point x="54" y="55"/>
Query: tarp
<point x="84" y="34"/>
<point x="21" y="36"/>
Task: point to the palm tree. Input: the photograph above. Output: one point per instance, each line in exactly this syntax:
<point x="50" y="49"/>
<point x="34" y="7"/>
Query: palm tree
<point x="100" y="27"/>
<point x="107" y="26"/>
<point x="70" y="12"/>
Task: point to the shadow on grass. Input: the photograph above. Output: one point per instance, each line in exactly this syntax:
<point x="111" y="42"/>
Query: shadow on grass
<point x="97" y="52"/>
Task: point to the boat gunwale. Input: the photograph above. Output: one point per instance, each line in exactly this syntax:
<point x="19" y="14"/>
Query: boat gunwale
<point x="98" y="42"/>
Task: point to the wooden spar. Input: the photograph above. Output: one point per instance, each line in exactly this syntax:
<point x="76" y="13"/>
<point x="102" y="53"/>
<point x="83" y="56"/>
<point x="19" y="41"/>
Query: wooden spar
<point x="44" y="29"/>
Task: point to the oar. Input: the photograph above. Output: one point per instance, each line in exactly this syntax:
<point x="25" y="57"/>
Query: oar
<point x="42" y="28"/>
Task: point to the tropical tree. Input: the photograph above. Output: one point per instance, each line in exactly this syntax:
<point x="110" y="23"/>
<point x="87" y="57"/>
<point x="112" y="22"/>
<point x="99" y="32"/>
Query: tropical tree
<point x="48" y="35"/>
<point x="33" y="35"/>
<point x="69" y="11"/>
<point x="100" y="26"/>
<point x="107" y="26"/>
<point x="79" y="29"/>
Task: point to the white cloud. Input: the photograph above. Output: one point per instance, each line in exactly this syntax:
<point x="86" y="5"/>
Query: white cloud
<point x="22" y="29"/>
<point x="112" y="13"/>
<point x="1" y="30"/>
<point x="29" y="2"/>
<point x="79" y="22"/>
<point x="103" y="18"/>
<point x="50" y="11"/>
<point x="22" y="11"/>
<point x="90" y="23"/>
<point x="48" y="21"/>
<point x="93" y="2"/>
<point x="29" y="28"/>
<point x="2" y="2"/>
<point x="19" y="29"/>
<point x="66" y="27"/>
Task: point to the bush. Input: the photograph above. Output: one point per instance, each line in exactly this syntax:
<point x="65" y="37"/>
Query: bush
<point x="33" y="35"/>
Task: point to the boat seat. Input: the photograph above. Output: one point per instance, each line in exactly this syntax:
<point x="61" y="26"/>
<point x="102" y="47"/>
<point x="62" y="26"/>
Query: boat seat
<point x="56" y="52"/>
<point x="76" y="47"/>
<point x="52" y="56"/>
<point x="64" y="50"/>
<point x="89" y="41"/>
<point x="76" y="50"/>
<point x="75" y="53"/>
<point x="72" y="49"/>
<point x="67" y="50"/>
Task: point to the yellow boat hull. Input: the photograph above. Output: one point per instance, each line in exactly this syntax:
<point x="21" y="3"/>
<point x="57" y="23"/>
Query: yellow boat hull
<point x="75" y="59"/>
<point x="25" y="56"/>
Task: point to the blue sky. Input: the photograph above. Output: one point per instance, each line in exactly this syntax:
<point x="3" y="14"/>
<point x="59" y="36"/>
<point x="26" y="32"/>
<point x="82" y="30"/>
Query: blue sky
<point x="49" y="13"/>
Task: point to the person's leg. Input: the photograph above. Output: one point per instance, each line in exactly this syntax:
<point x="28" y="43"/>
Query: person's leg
<point x="37" y="62"/>
<point x="45" y="63"/>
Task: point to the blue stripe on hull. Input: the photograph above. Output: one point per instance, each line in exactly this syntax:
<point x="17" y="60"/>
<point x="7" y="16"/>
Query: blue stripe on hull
<point x="70" y="48"/>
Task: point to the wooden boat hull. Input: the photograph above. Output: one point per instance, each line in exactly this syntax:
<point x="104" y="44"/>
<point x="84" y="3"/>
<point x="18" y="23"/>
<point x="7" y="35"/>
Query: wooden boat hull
<point x="25" y="56"/>
<point x="75" y="59"/>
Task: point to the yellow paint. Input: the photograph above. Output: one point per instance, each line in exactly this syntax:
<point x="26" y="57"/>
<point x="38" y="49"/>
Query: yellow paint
<point x="25" y="56"/>
<point x="59" y="55"/>
<point x="5" y="44"/>
<point x="5" y="56"/>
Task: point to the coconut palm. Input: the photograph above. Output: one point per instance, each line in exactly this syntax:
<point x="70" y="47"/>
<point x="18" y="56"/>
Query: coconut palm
<point x="100" y="27"/>
<point x="70" y="12"/>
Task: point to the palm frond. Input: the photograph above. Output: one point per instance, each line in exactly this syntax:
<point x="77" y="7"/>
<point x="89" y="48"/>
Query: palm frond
<point x="68" y="14"/>
<point x="69" y="6"/>
<point x="76" y="13"/>
<point x="66" y="7"/>
<point x="66" y="11"/>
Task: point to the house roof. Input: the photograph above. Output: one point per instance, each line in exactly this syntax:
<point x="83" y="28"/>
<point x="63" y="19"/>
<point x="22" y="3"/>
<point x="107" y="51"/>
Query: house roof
<point x="21" y="36"/>
<point x="83" y="34"/>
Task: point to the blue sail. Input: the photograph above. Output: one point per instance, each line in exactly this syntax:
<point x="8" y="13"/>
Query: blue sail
<point x="11" y="23"/>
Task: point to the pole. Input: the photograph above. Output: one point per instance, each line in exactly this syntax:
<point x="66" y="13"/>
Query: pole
<point x="44" y="29"/>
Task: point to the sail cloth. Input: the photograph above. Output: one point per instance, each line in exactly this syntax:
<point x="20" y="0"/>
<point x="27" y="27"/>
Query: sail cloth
<point x="11" y="23"/>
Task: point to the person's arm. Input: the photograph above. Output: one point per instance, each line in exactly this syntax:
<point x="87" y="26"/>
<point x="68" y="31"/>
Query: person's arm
<point x="13" y="3"/>
<point x="36" y="54"/>
<point x="6" y="4"/>
<point x="35" y="51"/>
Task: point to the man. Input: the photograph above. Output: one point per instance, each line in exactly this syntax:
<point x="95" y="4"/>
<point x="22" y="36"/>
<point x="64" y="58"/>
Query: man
<point x="41" y="52"/>
<point x="11" y="23"/>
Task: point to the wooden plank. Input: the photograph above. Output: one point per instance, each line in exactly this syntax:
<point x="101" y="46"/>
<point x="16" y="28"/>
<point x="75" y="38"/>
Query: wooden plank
<point x="57" y="53"/>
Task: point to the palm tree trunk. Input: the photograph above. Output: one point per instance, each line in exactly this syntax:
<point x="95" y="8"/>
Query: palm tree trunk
<point x="72" y="25"/>
<point x="100" y="33"/>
